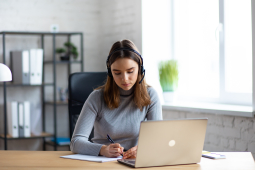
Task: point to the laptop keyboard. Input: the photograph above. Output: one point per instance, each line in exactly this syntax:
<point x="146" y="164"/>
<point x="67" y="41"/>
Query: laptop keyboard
<point x="131" y="162"/>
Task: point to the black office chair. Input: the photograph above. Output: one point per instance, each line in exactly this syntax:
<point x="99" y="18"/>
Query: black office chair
<point x="80" y="85"/>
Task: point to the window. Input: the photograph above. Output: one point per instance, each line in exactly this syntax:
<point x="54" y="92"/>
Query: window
<point x="212" y="42"/>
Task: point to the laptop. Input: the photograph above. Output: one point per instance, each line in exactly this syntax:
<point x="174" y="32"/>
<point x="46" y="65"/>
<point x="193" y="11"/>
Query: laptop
<point x="169" y="142"/>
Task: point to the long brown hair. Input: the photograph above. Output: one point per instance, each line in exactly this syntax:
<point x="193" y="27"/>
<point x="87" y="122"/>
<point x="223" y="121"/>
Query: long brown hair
<point x="111" y="89"/>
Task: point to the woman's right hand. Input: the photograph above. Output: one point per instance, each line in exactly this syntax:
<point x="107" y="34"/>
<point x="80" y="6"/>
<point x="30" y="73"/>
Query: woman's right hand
<point x="111" y="151"/>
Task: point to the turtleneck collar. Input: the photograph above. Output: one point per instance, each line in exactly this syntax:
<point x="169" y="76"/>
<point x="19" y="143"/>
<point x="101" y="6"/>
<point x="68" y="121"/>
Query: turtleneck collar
<point x="126" y="92"/>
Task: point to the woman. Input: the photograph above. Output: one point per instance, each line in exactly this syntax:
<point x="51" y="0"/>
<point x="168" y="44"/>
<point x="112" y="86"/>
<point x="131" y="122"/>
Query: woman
<point x="118" y="107"/>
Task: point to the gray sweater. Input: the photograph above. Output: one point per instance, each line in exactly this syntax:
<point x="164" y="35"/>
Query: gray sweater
<point x="122" y="123"/>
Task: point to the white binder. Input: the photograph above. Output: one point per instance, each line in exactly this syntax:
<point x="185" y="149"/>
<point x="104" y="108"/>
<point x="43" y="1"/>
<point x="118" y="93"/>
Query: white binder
<point x="21" y="119"/>
<point x="33" y="55"/>
<point x="39" y="64"/>
<point x="36" y="66"/>
<point x="20" y="67"/>
<point x="12" y="118"/>
<point x="27" y="130"/>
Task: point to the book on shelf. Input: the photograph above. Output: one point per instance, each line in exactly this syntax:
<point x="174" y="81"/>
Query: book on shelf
<point x="61" y="140"/>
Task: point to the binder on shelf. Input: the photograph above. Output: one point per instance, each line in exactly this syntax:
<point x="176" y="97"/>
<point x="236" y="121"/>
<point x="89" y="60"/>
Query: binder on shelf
<point x="20" y="67"/>
<point x="39" y="63"/>
<point x="12" y="118"/>
<point x="21" y="119"/>
<point x="32" y="53"/>
<point x="36" y="66"/>
<point x="27" y="129"/>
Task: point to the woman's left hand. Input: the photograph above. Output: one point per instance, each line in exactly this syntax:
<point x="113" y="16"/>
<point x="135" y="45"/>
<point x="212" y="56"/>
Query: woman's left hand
<point x="130" y="154"/>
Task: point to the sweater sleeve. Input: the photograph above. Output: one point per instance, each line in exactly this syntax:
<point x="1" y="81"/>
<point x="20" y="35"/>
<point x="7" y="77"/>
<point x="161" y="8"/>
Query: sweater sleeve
<point x="79" y="142"/>
<point x="154" y="111"/>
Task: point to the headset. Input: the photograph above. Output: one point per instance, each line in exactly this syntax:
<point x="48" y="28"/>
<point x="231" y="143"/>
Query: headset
<point x="127" y="49"/>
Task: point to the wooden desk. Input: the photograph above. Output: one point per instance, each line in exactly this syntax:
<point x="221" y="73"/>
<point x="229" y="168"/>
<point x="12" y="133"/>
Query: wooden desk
<point x="27" y="160"/>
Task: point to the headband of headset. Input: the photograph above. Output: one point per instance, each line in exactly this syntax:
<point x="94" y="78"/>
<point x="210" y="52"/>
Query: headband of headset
<point x="120" y="49"/>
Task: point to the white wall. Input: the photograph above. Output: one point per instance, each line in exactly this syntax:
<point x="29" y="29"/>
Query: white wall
<point x="120" y="20"/>
<point x="102" y="23"/>
<point x="36" y="15"/>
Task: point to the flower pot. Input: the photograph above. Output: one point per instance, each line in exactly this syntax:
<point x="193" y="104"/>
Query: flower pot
<point x="64" y="58"/>
<point x="168" y="97"/>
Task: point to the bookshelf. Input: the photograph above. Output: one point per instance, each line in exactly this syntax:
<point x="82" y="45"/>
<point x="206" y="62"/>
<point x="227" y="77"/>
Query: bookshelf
<point x="53" y="84"/>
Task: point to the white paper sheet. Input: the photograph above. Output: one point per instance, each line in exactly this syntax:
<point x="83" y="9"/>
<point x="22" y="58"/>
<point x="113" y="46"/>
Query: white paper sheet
<point x="90" y="158"/>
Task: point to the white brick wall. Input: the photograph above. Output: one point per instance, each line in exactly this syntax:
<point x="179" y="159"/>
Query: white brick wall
<point x="120" y="19"/>
<point x="102" y="22"/>
<point x="224" y="133"/>
<point x="37" y="15"/>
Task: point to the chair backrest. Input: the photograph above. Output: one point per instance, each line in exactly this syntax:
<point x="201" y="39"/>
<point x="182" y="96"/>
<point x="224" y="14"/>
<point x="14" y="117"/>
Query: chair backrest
<point x="80" y="86"/>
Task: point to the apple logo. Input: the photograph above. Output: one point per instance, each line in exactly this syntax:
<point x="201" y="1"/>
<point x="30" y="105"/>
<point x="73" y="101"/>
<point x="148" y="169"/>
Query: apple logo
<point x="171" y="143"/>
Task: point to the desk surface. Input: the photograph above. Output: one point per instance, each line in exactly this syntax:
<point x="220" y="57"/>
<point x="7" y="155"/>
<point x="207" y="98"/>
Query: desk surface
<point x="27" y="160"/>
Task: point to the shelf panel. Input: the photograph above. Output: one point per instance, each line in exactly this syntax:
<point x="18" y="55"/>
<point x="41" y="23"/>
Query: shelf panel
<point x="57" y="102"/>
<point x="43" y="134"/>
<point x="38" y="33"/>
<point x="53" y="143"/>
<point x="48" y="84"/>
<point x="42" y="35"/>
<point x="62" y="62"/>
<point x="26" y="85"/>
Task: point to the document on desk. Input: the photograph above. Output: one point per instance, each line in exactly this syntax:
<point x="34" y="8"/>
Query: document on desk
<point x="90" y="158"/>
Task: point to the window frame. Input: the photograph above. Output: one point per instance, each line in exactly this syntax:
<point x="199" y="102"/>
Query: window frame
<point x="224" y="96"/>
<point x="246" y="111"/>
<point x="227" y="97"/>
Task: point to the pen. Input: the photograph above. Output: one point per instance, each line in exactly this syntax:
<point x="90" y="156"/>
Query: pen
<point x="110" y="139"/>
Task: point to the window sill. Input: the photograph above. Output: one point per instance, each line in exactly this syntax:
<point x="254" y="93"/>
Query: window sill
<point x="221" y="109"/>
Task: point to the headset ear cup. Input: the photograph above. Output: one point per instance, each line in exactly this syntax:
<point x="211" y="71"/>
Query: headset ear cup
<point x="142" y="70"/>
<point x="109" y="72"/>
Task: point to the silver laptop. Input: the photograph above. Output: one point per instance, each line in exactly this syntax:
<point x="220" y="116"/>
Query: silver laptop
<point x="169" y="142"/>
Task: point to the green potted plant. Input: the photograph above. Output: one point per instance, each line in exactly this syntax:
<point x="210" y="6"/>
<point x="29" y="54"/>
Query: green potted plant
<point x="168" y="77"/>
<point x="71" y="50"/>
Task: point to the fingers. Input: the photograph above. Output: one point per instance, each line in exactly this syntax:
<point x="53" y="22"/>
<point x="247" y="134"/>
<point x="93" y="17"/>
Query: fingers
<point x="128" y="155"/>
<point x="114" y="155"/>
<point x="131" y="153"/>
<point x="115" y="150"/>
<point x="115" y="145"/>
<point x="131" y="150"/>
